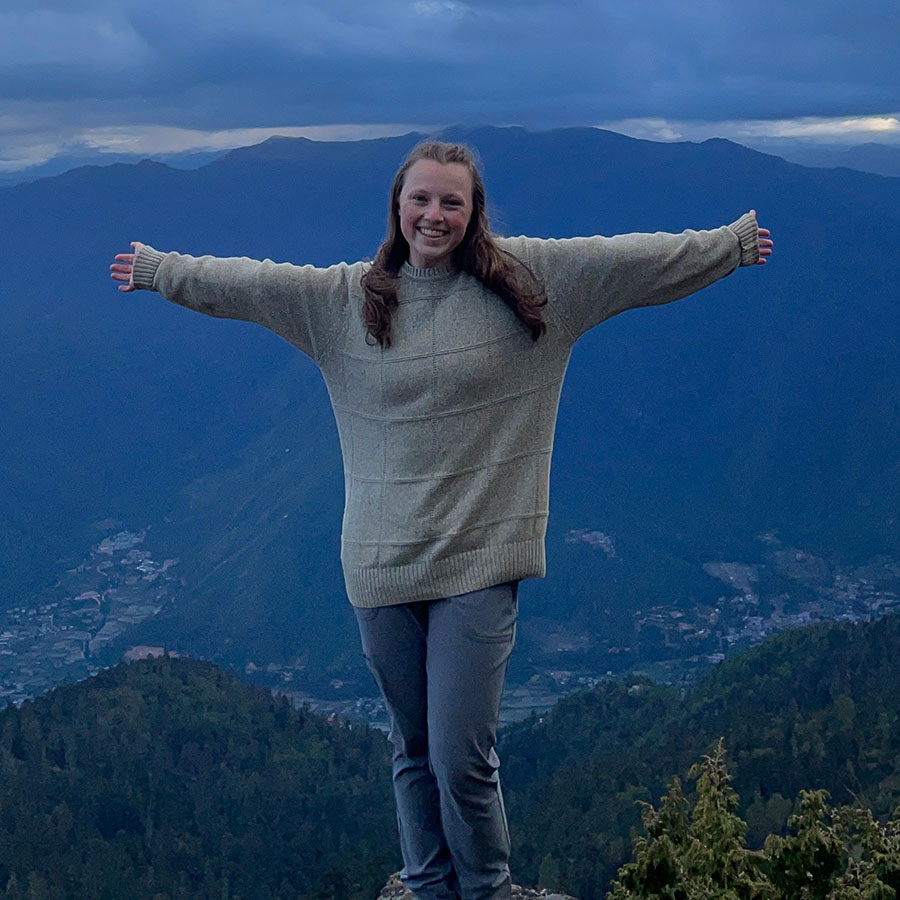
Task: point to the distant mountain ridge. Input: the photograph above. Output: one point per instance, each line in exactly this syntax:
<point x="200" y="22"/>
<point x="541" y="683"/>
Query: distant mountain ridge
<point x="875" y="158"/>
<point x="766" y="404"/>
<point x="879" y="159"/>
<point x="61" y="164"/>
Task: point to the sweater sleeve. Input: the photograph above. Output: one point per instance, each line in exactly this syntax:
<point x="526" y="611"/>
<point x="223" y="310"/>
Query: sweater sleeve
<point x="306" y="305"/>
<point x="590" y="279"/>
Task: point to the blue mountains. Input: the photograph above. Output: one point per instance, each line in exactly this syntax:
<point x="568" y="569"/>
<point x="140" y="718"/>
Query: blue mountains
<point x="755" y="420"/>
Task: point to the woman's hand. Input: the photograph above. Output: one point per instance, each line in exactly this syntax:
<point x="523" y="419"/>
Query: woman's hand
<point x="765" y="244"/>
<point x="123" y="268"/>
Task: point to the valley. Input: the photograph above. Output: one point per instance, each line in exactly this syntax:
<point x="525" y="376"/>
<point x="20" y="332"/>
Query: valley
<point x="90" y="617"/>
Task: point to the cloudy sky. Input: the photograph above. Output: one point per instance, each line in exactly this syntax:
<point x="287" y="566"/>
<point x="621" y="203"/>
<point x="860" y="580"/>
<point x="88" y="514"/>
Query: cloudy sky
<point x="168" y="76"/>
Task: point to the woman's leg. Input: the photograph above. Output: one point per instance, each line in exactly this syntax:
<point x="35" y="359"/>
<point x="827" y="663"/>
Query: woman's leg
<point x="394" y="640"/>
<point x="470" y="638"/>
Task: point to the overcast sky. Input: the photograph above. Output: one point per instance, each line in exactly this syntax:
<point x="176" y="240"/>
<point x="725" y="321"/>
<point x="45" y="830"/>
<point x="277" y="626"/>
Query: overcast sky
<point x="168" y="76"/>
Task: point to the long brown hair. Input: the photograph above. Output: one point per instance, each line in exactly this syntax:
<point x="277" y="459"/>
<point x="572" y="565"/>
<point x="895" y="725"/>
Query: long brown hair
<point x="478" y="254"/>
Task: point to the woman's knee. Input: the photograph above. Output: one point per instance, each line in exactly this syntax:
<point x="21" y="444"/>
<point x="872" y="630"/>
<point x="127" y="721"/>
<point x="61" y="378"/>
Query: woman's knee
<point x="464" y="769"/>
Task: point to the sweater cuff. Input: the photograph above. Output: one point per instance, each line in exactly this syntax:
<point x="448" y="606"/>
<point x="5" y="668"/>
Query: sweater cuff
<point x="747" y="230"/>
<point x="145" y="265"/>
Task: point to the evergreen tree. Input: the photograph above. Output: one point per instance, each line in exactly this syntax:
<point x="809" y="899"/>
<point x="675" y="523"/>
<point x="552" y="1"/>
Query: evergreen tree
<point x="698" y="853"/>
<point x="810" y="708"/>
<point x="805" y="864"/>
<point x="701" y="857"/>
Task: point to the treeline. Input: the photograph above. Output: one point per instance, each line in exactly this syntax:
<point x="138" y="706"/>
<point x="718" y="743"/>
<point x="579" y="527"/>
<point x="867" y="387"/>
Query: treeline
<point x="815" y="708"/>
<point x="170" y="779"/>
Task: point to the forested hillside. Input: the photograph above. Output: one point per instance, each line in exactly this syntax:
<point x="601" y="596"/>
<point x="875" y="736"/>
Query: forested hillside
<point x="815" y="708"/>
<point x="170" y="779"/>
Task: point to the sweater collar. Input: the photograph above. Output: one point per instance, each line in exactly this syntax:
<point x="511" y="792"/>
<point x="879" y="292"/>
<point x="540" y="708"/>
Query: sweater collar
<point x="429" y="274"/>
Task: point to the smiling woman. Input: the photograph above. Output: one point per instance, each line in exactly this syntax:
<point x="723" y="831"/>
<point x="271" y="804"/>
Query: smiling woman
<point x="439" y="189"/>
<point x="435" y="209"/>
<point x="444" y="359"/>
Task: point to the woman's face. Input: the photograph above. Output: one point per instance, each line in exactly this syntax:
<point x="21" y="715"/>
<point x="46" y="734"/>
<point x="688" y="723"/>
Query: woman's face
<point x="435" y="207"/>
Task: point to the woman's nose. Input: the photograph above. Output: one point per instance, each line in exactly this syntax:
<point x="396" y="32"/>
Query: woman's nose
<point x="434" y="210"/>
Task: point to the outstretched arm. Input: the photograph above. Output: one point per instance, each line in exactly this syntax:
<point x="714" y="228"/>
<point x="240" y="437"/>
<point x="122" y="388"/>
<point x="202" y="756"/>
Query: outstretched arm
<point x="306" y="305"/>
<point x="590" y="279"/>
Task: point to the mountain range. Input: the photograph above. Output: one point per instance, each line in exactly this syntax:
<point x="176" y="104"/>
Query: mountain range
<point x="874" y="157"/>
<point x="66" y="162"/>
<point x="880" y="159"/>
<point x="764" y="408"/>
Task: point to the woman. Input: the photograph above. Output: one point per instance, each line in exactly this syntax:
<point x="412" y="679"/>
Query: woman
<point x="444" y="360"/>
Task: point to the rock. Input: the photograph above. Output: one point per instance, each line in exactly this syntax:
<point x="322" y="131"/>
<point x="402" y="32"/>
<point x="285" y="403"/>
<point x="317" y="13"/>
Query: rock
<point x="394" y="890"/>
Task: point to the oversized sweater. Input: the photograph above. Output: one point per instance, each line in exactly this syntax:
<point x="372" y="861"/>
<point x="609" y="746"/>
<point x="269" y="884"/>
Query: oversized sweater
<point x="447" y="435"/>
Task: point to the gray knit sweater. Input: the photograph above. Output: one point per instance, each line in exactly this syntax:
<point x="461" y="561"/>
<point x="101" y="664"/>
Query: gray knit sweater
<point x="447" y="435"/>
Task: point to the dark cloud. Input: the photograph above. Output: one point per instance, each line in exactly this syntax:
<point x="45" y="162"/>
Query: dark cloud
<point x="210" y="64"/>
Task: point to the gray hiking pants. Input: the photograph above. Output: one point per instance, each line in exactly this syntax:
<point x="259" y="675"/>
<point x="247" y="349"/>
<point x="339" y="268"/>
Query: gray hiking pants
<point x="440" y="665"/>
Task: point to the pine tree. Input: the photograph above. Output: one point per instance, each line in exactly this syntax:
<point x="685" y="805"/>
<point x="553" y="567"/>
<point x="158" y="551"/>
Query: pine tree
<point x="805" y="864"/>
<point x="873" y="866"/>
<point x="720" y="864"/>
<point x="701" y="857"/>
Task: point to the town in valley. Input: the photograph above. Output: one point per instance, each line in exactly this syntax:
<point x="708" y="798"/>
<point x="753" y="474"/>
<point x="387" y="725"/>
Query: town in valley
<point x="87" y="620"/>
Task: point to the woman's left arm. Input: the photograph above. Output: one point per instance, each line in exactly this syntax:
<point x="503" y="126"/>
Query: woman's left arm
<point x="590" y="279"/>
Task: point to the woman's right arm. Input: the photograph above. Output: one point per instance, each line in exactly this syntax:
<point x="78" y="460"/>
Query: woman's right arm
<point x="306" y="305"/>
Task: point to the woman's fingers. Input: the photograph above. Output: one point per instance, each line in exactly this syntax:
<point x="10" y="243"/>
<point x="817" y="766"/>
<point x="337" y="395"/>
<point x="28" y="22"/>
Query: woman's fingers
<point x="121" y="270"/>
<point x="124" y="278"/>
<point x="765" y="244"/>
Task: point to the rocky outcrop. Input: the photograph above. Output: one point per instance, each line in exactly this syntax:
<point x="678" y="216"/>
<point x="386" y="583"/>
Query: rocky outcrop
<point x="394" y="890"/>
